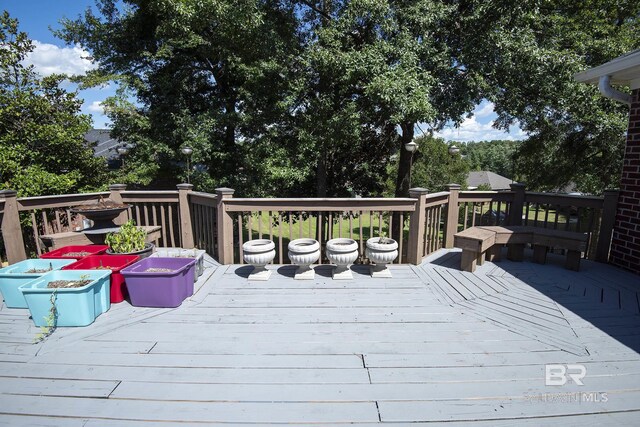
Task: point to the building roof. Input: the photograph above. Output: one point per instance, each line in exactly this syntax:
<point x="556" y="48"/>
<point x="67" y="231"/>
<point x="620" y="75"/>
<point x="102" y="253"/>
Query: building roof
<point x="493" y="180"/>
<point x="105" y="144"/>
<point x="623" y="70"/>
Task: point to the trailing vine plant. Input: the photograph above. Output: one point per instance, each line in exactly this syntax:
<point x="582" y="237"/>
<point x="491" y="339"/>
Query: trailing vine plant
<point x="50" y="319"/>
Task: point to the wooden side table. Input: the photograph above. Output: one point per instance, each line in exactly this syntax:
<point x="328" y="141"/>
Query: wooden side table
<point x="58" y="240"/>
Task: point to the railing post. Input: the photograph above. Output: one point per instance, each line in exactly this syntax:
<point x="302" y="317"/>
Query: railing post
<point x="115" y="191"/>
<point x="452" y="215"/>
<point x="11" y="228"/>
<point x="515" y="211"/>
<point x="607" y="220"/>
<point x="186" y="231"/>
<point x="225" y="227"/>
<point x="415" y="250"/>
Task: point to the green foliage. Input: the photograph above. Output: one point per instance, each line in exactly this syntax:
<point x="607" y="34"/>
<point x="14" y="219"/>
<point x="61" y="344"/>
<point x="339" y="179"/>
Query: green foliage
<point x="495" y="156"/>
<point x="302" y="97"/>
<point x="129" y="239"/>
<point x="51" y="320"/>
<point x="433" y="166"/>
<point x="42" y="147"/>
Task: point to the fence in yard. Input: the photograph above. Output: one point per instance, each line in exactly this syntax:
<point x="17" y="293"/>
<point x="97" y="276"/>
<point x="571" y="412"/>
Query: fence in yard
<point x="220" y="223"/>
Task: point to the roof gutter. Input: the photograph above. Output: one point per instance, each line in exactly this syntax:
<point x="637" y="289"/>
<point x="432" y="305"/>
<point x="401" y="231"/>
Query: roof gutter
<point x="604" y="85"/>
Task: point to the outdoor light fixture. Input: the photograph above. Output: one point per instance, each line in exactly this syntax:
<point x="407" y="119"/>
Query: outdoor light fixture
<point x="187" y="151"/>
<point x="122" y="150"/>
<point x="453" y="150"/>
<point x="411" y="147"/>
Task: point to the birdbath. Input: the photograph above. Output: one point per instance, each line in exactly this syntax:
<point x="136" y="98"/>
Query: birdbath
<point x="303" y="253"/>
<point x="259" y="253"/>
<point x="103" y="212"/>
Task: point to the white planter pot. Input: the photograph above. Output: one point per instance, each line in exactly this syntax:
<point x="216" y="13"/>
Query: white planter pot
<point x="342" y="252"/>
<point x="303" y="253"/>
<point x="259" y="253"/>
<point x="381" y="254"/>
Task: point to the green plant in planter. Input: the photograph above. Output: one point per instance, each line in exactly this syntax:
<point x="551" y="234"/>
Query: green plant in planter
<point x="129" y="239"/>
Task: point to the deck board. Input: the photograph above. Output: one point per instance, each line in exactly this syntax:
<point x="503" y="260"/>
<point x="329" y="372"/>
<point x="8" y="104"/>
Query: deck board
<point x="430" y="344"/>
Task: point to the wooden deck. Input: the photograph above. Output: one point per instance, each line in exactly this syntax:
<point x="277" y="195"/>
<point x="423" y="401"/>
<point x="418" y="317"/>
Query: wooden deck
<point x="433" y="344"/>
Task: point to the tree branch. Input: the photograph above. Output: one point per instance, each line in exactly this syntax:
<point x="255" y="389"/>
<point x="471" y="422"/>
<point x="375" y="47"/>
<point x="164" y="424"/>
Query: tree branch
<point x="324" y="14"/>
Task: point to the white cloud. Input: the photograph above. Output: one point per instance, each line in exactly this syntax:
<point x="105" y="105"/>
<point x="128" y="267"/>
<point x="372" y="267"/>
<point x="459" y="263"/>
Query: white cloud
<point x="96" y="107"/>
<point x="50" y="59"/>
<point x="484" y="110"/>
<point x="472" y="130"/>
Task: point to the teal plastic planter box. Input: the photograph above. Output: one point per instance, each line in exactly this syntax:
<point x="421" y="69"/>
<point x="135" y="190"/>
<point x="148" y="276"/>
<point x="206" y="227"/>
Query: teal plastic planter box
<point x="14" y="276"/>
<point x="74" y="306"/>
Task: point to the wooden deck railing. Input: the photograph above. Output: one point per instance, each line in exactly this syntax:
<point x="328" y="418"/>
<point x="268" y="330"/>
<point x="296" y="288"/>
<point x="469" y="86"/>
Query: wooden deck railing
<point x="283" y="220"/>
<point x="220" y="223"/>
<point x="50" y="215"/>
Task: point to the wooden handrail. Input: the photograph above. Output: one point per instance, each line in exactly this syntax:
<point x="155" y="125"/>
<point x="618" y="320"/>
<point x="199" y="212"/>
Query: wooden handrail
<point x="205" y="199"/>
<point x="485" y="196"/>
<point x="320" y="204"/>
<point x="564" y="200"/>
<point x="58" y="201"/>
<point x="435" y="199"/>
<point x="149" y="196"/>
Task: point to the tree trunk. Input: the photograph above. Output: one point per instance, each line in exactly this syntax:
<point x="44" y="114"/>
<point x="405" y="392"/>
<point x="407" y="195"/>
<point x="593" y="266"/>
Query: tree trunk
<point x="404" y="172"/>
<point x="321" y="174"/>
<point x="404" y="164"/>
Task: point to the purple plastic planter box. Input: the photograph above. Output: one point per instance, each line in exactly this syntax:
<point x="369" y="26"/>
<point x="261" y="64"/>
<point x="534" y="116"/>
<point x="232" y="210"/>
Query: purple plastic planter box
<point x="160" y="289"/>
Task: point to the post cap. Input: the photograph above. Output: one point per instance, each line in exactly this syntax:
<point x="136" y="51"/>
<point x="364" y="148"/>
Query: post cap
<point x="612" y="191"/>
<point x="8" y="193"/>
<point x="117" y="187"/>
<point x="517" y="186"/>
<point x="453" y="186"/>
<point x="185" y="187"/>
<point x="418" y="191"/>
<point x="224" y="191"/>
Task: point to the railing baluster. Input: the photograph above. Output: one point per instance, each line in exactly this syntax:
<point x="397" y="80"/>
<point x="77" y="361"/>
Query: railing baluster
<point x="401" y="238"/>
<point x="319" y="230"/>
<point x="526" y="214"/>
<point x="361" y="237"/>
<point x="249" y="226"/>
<point x="163" y="207"/>
<point x="240" y="239"/>
<point x="171" y="228"/>
<point x="427" y="241"/>
<point x="300" y="226"/>
<point x="555" y="222"/>
<point x="36" y="235"/>
<point x="351" y="224"/>
<point x="330" y="226"/>
<point x="535" y="222"/>
<point x="466" y="215"/>
<point x="546" y="216"/>
<point x="281" y="257"/>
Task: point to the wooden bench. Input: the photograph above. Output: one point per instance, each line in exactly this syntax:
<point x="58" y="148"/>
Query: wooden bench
<point x="515" y="238"/>
<point x="474" y="243"/>
<point x="573" y="243"/>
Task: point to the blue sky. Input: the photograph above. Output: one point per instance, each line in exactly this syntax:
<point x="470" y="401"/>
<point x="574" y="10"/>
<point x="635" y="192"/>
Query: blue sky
<point x="52" y="55"/>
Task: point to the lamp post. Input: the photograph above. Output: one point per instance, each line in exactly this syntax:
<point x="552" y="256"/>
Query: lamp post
<point x="187" y="151"/>
<point x="453" y="150"/>
<point x="122" y="151"/>
<point x="411" y="147"/>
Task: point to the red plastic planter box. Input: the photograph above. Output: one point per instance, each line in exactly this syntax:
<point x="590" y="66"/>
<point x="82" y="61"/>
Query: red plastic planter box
<point x="67" y="252"/>
<point x="115" y="263"/>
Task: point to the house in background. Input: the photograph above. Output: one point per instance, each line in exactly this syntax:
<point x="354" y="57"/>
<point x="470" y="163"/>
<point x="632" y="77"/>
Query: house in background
<point x="489" y="180"/>
<point x="105" y="146"/>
